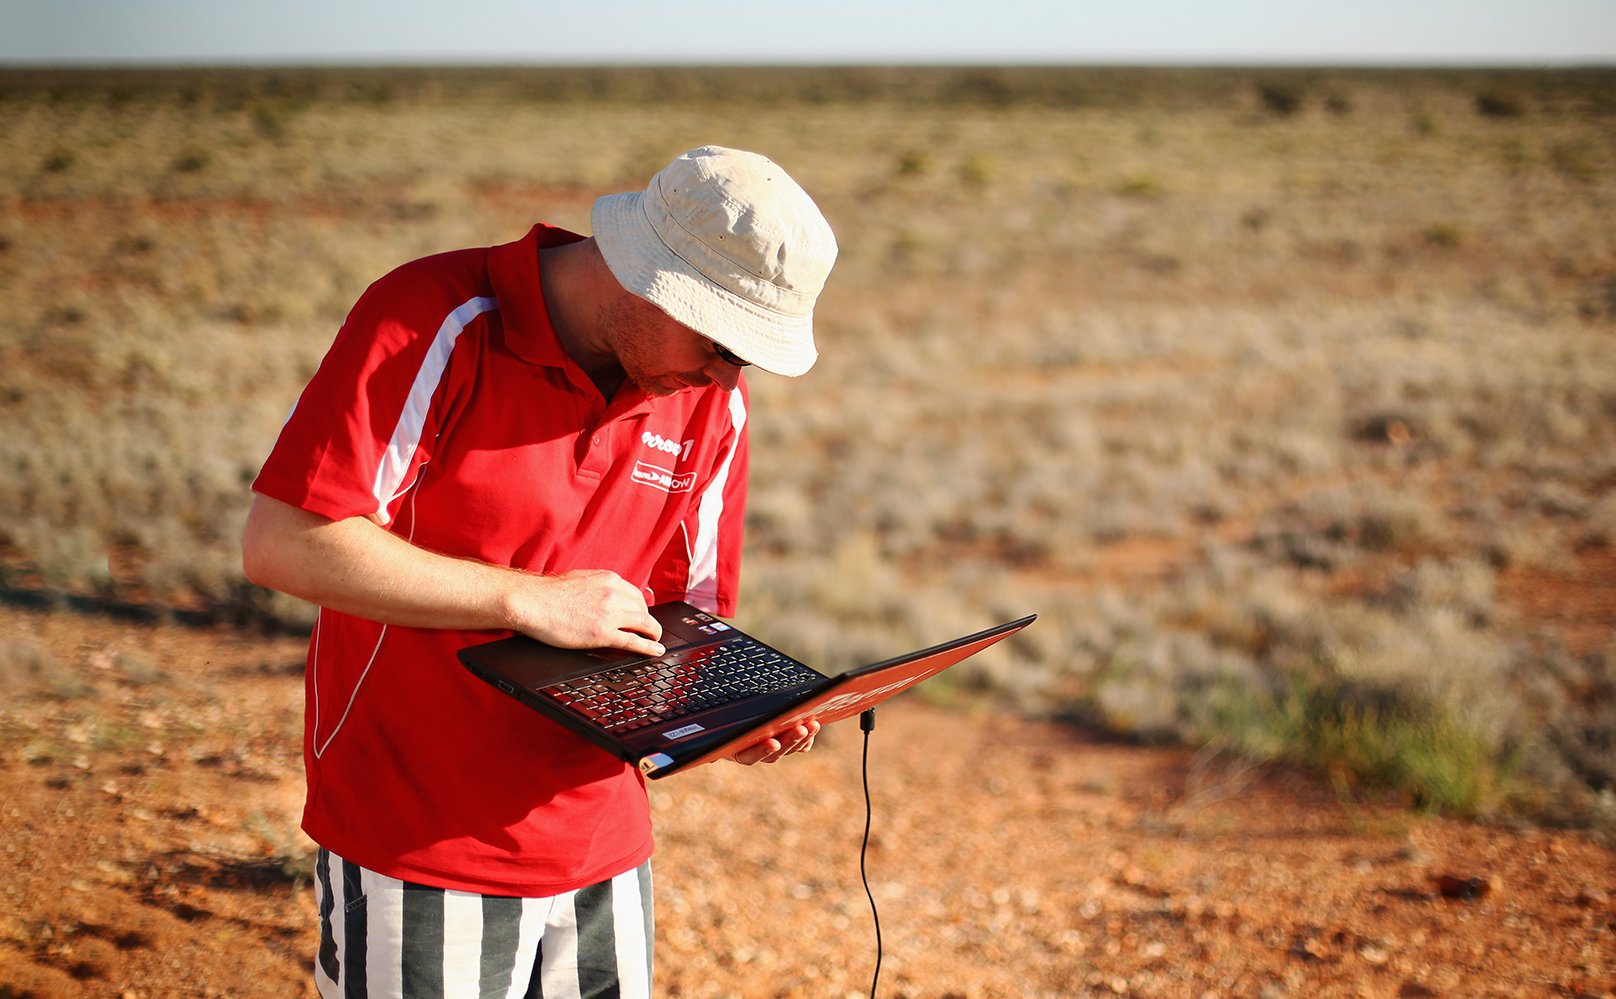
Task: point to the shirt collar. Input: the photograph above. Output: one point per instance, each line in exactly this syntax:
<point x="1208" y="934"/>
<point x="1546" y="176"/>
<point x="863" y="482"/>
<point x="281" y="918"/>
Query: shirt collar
<point x="513" y="269"/>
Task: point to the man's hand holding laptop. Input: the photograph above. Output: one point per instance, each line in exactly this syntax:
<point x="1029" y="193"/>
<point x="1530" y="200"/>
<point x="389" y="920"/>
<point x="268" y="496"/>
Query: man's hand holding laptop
<point x="799" y="739"/>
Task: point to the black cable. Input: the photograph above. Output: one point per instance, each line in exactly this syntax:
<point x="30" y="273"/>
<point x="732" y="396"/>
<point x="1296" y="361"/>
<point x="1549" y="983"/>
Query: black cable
<point x="867" y="725"/>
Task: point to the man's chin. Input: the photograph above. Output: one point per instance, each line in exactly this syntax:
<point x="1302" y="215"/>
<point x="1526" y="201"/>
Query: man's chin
<point x="661" y="387"/>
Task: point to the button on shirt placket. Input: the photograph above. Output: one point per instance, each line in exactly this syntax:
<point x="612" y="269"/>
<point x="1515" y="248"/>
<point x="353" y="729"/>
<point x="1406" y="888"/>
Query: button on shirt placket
<point x="597" y="453"/>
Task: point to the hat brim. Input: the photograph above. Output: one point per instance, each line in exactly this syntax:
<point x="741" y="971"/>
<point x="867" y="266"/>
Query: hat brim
<point x="644" y="265"/>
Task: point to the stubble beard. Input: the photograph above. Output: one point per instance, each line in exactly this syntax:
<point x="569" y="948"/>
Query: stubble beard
<point x="635" y="331"/>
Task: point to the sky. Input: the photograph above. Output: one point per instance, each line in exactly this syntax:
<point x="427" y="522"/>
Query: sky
<point x="1203" y="32"/>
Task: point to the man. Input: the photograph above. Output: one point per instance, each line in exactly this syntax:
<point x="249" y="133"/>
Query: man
<point x="538" y="437"/>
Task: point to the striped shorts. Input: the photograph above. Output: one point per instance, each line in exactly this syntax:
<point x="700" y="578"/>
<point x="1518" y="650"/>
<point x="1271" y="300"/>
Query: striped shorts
<point x="382" y="937"/>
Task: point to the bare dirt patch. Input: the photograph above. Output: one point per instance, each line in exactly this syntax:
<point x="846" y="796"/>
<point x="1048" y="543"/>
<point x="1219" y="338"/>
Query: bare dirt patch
<point x="1580" y="604"/>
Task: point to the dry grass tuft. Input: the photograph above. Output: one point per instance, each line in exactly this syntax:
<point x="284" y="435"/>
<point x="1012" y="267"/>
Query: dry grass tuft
<point x="27" y="667"/>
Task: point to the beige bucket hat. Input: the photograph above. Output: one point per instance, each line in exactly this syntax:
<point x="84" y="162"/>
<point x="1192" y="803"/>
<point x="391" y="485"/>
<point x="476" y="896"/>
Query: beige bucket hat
<point x="727" y="244"/>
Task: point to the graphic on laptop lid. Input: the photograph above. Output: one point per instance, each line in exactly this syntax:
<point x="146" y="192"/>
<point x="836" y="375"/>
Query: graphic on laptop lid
<point x="714" y="691"/>
<point x="845" y="696"/>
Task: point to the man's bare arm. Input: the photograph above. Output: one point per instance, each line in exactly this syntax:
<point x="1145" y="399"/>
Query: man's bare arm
<point x="359" y="568"/>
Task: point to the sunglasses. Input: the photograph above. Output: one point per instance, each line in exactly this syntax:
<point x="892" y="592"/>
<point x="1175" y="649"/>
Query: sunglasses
<point x="727" y="355"/>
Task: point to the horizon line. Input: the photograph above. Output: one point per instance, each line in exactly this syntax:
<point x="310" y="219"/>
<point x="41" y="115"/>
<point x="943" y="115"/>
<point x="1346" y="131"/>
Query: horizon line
<point x="1493" y="62"/>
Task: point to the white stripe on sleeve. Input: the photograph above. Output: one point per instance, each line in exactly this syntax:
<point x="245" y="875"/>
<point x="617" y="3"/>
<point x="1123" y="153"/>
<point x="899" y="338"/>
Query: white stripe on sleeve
<point x="701" y="590"/>
<point x="395" y="463"/>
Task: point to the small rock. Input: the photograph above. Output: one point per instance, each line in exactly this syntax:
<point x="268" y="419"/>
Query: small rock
<point x="1469" y="889"/>
<point x="1592" y="896"/>
<point x="1413" y="990"/>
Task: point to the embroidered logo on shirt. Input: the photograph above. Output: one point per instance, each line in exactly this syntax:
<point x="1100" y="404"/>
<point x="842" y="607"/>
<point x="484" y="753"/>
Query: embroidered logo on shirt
<point x="660" y="443"/>
<point x="664" y="479"/>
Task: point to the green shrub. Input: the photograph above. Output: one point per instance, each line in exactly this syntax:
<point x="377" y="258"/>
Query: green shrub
<point x="192" y="161"/>
<point x="1499" y="104"/>
<point x="1375" y="740"/>
<point x="1443" y="235"/>
<point x="1284" y="99"/>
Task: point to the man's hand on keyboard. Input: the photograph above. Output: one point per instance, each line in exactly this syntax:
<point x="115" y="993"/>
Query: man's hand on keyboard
<point x="793" y="740"/>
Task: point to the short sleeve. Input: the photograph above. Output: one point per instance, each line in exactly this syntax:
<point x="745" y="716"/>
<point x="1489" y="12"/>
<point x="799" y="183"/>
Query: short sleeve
<point x="351" y="442"/>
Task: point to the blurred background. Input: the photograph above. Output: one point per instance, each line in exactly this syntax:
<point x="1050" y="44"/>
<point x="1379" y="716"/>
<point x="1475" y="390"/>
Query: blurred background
<point x="1269" y="354"/>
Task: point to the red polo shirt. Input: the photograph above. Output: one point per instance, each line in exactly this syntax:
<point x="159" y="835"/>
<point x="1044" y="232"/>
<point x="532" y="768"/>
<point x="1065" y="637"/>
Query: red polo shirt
<point x="448" y="408"/>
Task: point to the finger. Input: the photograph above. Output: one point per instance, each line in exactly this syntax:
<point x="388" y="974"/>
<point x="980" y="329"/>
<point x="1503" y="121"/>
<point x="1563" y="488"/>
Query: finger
<point x="786" y="743"/>
<point x="800" y="741"/>
<point x="633" y="608"/>
<point x="640" y="618"/>
<point x="757" y="753"/>
<point x="651" y="628"/>
<point x="647" y="626"/>
<point x="630" y="642"/>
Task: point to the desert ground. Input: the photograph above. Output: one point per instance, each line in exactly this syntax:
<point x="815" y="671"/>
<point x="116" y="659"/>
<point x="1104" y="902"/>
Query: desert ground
<point x="1286" y="398"/>
<point x="152" y="851"/>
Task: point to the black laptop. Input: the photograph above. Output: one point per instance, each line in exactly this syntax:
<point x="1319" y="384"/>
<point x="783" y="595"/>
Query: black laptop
<point x="713" y="692"/>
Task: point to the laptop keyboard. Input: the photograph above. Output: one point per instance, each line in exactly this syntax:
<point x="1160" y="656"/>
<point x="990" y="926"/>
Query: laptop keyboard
<point x="632" y="697"/>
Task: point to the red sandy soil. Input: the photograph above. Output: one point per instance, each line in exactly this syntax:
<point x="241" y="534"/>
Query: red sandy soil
<point x="148" y="820"/>
<point x="1579" y="605"/>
